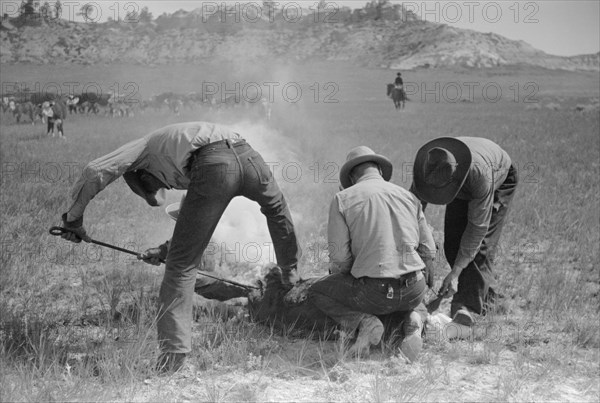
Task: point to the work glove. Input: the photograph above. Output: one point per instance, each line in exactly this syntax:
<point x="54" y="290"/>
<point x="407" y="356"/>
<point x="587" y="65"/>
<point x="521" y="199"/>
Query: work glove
<point x="75" y="232"/>
<point x="155" y="256"/>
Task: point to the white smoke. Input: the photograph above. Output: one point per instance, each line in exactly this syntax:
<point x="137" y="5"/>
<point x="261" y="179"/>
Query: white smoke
<point x="242" y="232"/>
<point x="242" y="235"/>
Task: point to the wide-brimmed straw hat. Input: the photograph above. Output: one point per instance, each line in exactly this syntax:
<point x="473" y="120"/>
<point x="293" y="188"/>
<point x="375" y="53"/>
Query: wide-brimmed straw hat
<point x="359" y="155"/>
<point x="441" y="168"/>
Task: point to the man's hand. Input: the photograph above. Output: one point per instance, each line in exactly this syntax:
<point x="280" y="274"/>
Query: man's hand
<point x="429" y="272"/>
<point x="75" y="232"/>
<point x="155" y="256"/>
<point x="450" y="283"/>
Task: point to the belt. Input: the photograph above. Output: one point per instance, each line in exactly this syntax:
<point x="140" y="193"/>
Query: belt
<point x="216" y="145"/>
<point x="399" y="282"/>
<point x="389" y="284"/>
<point x="227" y="143"/>
<point x="407" y="279"/>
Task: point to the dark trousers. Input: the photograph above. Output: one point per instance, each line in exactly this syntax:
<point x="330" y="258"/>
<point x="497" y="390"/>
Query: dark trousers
<point x="349" y="300"/>
<point x="219" y="172"/>
<point x="475" y="281"/>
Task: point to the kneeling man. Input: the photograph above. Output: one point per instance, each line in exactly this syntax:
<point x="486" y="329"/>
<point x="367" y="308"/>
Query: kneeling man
<point x="379" y="244"/>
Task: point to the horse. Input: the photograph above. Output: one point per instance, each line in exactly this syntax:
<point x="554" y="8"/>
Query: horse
<point x="397" y="95"/>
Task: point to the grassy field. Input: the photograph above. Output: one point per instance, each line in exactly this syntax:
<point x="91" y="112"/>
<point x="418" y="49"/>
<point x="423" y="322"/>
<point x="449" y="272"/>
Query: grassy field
<point x="76" y="321"/>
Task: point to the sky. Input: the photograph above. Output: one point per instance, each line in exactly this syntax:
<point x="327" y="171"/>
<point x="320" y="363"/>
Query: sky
<point x="557" y="27"/>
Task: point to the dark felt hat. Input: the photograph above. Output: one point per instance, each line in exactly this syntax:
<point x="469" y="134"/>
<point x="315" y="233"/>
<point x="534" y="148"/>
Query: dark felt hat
<point x="441" y="168"/>
<point x="138" y="181"/>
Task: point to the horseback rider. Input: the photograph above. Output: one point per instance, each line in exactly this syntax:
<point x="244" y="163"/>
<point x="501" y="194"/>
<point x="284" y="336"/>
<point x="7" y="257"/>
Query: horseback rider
<point x="398" y="83"/>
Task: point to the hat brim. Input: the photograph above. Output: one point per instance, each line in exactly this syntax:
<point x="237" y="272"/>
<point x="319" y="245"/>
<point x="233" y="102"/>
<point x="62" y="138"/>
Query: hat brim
<point x="446" y="193"/>
<point x="384" y="164"/>
<point x="134" y="181"/>
<point x="172" y="210"/>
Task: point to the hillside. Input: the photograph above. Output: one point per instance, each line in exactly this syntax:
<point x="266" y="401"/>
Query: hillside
<point x="385" y="38"/>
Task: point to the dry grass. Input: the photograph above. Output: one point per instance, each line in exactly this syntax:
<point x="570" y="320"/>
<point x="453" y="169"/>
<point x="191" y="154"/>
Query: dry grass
<point x="76" y="321"/>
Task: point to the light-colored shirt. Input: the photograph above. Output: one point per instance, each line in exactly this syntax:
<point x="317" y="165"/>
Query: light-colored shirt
<point x="489" y="169"/>
<point x="378" y="229"/>
<point x="164" y="153"/>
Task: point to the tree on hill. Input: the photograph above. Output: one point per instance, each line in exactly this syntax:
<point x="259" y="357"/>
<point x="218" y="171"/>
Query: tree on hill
<point x="58" y="8"/>
<point x="27" y="7"/>
<point x="45" y="11"/>
<point x="376" y="7"/>
<point x="29" y="14"/>
<point x="145" y="15"/>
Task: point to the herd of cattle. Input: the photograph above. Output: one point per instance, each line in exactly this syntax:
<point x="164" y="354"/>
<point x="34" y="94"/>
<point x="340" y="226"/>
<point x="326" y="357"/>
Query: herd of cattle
<point x="30" y="106"/>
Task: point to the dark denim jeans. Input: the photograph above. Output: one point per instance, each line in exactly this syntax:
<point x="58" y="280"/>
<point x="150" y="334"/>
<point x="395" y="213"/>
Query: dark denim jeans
<point x="348" y="300"/>
<point x="219" y="172"/>
<point x="475" y="281"/>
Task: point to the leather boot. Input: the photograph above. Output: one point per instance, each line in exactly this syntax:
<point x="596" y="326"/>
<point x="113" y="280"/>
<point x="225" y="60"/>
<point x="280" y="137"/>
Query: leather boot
<point x="412" y="344"/>
<point x="370" y="331"/>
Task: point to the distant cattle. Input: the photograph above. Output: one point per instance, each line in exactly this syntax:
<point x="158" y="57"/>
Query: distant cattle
<point x="88" y="107"/>
<point x="73" y="104"/>
<point x="23" y="109"/>
<point x="6" y="104"/>
<point x="152" y="103"/>
<point x="91" y="102"/>
<point x="174" y="102"/>
<point x="174" y="105"/>
<point x="120" y="109"/>
<point x="55" y="113"/>
<point x="38" y="98"/>
<point x="29" y="104"/>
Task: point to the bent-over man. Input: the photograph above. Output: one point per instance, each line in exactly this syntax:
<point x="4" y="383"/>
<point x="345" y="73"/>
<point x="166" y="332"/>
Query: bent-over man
<point x="379" y="244"/>
<point x="476" y="180"/>
<point x="214" y="164"/>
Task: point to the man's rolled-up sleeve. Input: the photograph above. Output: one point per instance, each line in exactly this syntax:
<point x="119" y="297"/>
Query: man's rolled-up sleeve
<point x="338" y="234"/>
<point x="426" y="249"/>
<point x="478" y="221"/>
<point x="101" y="172"/>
